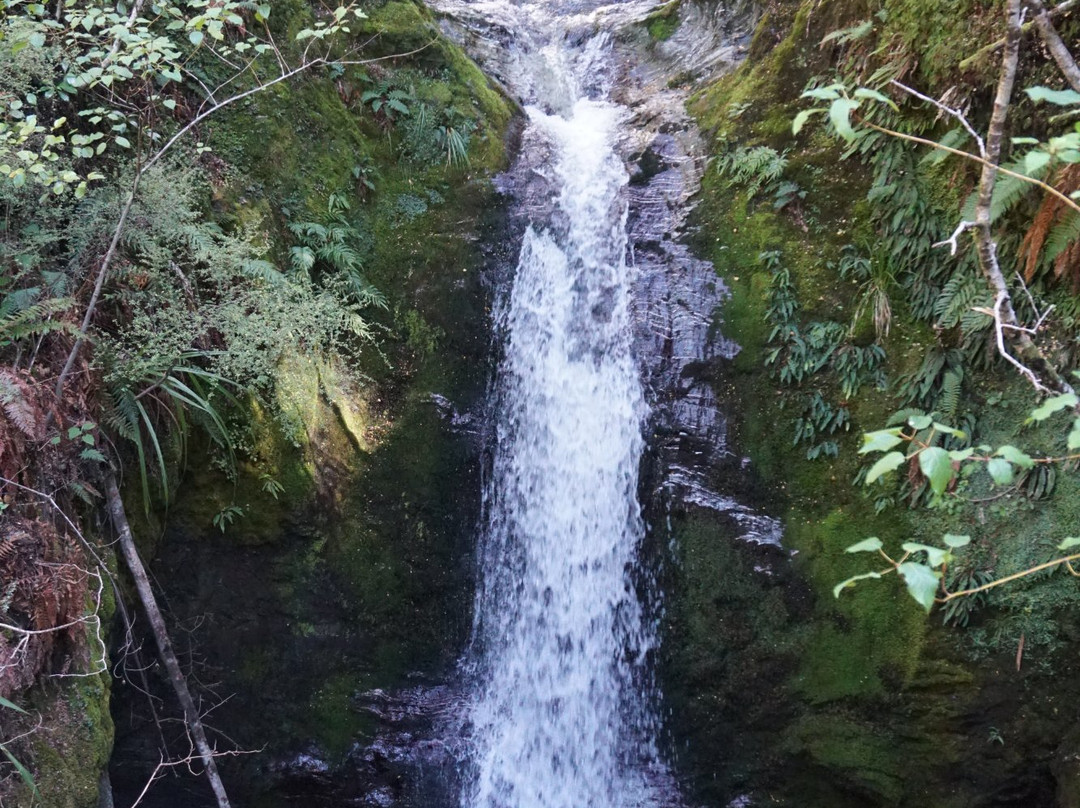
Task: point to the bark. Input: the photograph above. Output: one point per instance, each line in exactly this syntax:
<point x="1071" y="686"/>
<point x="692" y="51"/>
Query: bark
<point x="985" y="51"/>
<point x="994" y="138"/>
<point x="1055" y="45"/>
<point x="1031" y="362"/>
<point x="161" y="636"/>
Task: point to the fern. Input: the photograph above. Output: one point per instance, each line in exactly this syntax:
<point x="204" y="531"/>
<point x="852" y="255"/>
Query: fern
<point x="1062" y="235"/>
<point x="20" y="318"/>
<point x="19" y="403"/>
<point x="756" y="167"/>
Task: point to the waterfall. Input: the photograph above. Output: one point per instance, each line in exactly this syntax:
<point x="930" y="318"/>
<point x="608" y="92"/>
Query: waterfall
<point x="561" y="713"/>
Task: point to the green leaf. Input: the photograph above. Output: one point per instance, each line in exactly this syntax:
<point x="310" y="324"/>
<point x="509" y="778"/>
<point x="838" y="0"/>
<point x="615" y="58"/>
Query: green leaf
<point x="196" y="37"/>
<point x="1061" y="98"/>
<point x="948" y="430"/>
<point x="937" y="466"/>
<point x="802" y="118"/>
<point x="24" y="773"/>
<point x="1036" y="160"/>
<point x="1069" y="542"/>
<point x="880" y="441"/>
<point x="960" y="455"/>
<point x="1001" y="471"/>
<point x="830" y="93"/>
<point x="169" y="103"/>
<point x="850" y="582"/>
<point x="884" y="465"/>
<point x="840" y="115"/>
<point x="871" y="545"/>
<point x="1053" y="405"/>
<point x="955" y="541"/>
<point x="122" y="141"/>
<point x="1074" y="435"/>
<point x="934" y="555"/>
<point x="37" y="39"/>
<point x="1015" y="456"/>
<point x="92" y="454"/>
<point x="922" y="583"/>
<point x="866" y="92"/>
<point x="11" y="706"/>
<point x="920" y="422"/>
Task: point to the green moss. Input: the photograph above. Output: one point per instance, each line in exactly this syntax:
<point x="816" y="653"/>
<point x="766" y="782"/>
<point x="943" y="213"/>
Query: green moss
<point x="70" y="749"/>
<point x="664" y="22"/>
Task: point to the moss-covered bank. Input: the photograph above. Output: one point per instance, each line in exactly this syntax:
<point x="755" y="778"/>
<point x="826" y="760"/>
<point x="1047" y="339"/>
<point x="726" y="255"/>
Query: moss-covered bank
<point x="779" y="690"/>
<point x="345" y="563"/>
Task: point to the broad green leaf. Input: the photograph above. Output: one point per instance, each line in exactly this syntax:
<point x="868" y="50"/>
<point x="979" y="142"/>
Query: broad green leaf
<point x="922" y="583"/>
<point x="884" y="465"/>
<point x="954" y="541"/>
<point x="850" y="582"/>
<point x="840" y="115"/>
<point x="1061" y="98"/>
<point x="871" y="545"/>
<point x="866" y="92"/>
<point x="1053" y="405"/>
<point x="37" y="39"/>
<point x="920" y="422"/>
<point x="802" y="118"/>
<point x="830" y="93"/>
<point x="948" y="430"/>
<point x="1069" y="542"/>
<point x="937" y="466"/>
<point x="168" y="103"/>
<point x="959" y="455"/>
<point x="880" y="441"/>
<point x="122" y="141"/>
<point x="1074" y="435"/>
<point x="1001" y="471"/>
<point x="196" y="37"/>
<point x="934" y="555"/>
<point x="1015" y="456"/>
<point x="1035" y="160"/>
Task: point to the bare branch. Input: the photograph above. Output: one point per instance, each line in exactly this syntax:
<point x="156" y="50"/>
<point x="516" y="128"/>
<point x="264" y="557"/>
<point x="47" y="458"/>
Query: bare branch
<point x="161" y="636"/>
<point x="947" y="110"/>
<point x="951" y="240"/>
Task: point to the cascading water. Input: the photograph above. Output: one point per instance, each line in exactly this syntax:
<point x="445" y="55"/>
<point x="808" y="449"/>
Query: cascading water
<point x="561" y="714"/>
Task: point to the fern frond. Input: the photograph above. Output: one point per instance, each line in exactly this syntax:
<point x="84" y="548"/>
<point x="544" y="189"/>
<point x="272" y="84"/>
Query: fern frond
<point x="264" y="271"/>
<point x="20" y="404"/>
<point x="1064" y="233"/>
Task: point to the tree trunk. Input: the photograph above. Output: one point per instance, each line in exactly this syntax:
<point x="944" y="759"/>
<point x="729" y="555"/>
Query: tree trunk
<point x="157" y="624"/>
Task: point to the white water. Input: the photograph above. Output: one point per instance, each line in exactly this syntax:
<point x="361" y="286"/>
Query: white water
<point x="562" y="714"/>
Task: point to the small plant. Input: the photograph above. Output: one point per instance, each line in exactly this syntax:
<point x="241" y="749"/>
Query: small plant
<point x="365" y="172"/>
<point x="388" y="103"/>
<point x="756" y="167"/>
<point x="325" y="253"/>
<point x="271" y="486"/>
<point x="924" y="568"/>
<point x="226" y="516"/>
